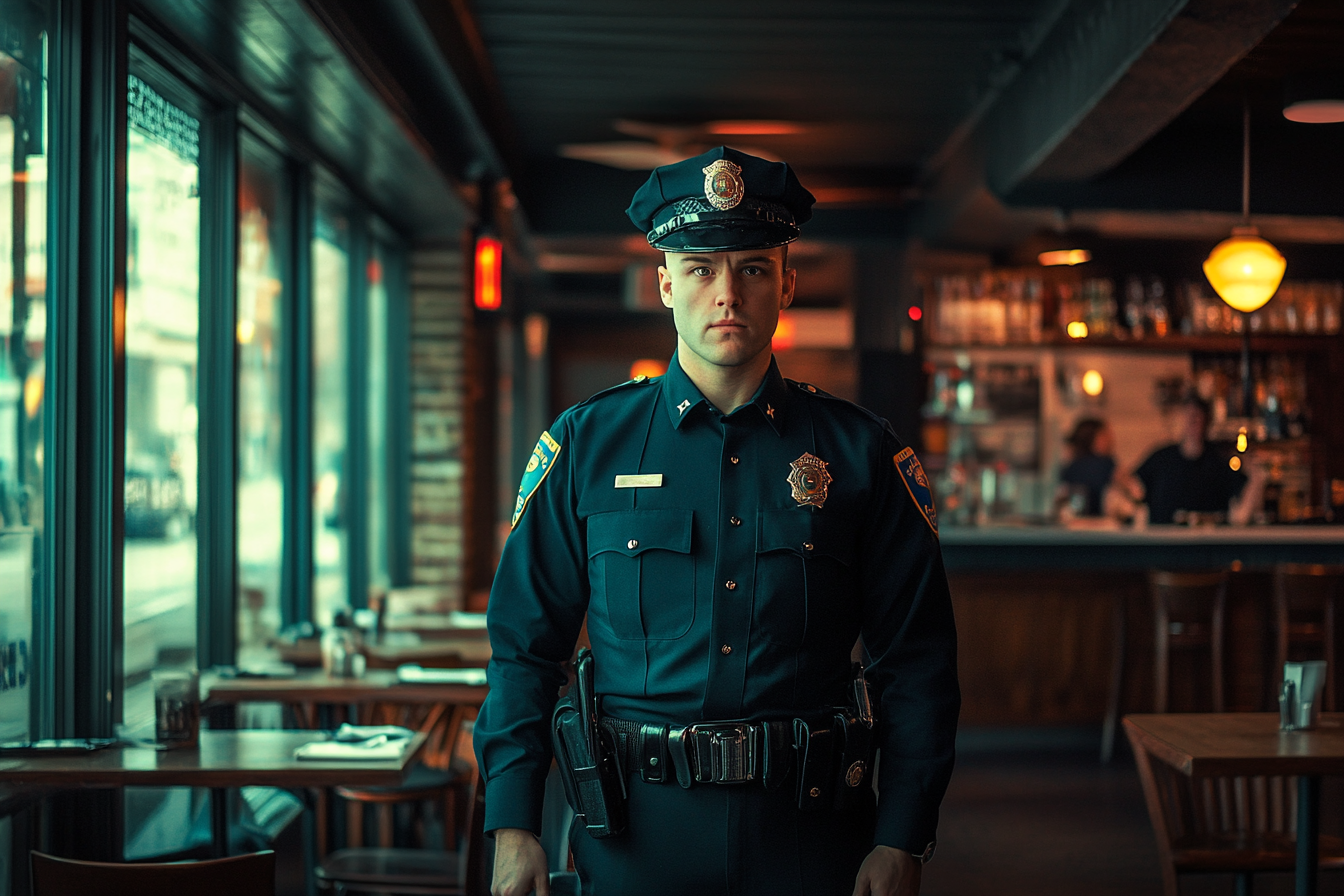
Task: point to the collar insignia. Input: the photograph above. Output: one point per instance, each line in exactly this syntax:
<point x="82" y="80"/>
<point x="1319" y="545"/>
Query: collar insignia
<point x="723" y="184"/>
<point x="769" y="412"/>
<point x="685" y="403"/>
<point x="809" y="480"/>
<point x="917" y="483"/>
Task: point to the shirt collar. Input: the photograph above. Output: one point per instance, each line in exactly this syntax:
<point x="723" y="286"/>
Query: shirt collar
<point x="681" y="397"/>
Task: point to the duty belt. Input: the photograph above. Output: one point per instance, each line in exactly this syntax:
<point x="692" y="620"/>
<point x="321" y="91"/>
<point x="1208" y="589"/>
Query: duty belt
<point x="707" y="752"/>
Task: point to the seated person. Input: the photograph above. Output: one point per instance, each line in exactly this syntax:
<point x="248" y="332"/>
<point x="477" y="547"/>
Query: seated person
<point x="1192" y="476"/>
<point x="1092" y="466"/>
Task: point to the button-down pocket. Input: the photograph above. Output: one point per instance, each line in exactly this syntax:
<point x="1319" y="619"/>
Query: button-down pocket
<point x="802" y="567"/>
<point x="640" y="566"/>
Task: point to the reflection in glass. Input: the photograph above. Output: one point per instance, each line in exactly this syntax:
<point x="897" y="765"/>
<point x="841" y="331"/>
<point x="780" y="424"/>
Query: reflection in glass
<point x="162" y="323"/>
<point x="262" y="229"/>
<point x="23" y="336"/>
<point x="331" y="285"/>
<point x="376" y="498"/>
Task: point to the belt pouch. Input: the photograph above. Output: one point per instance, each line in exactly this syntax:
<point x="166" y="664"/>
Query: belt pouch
<point x="854" y="747"/>
<point x="776" y="753"/>
<point x="653" y="753"/>
<point x="814" y="740"/>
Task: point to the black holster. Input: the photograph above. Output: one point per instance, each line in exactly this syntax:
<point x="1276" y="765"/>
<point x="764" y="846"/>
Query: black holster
<point x="587" y="756"/>
<point x="835" y="751"/>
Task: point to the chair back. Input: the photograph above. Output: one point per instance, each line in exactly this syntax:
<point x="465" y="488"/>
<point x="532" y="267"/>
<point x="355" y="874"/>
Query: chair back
<point x="1189" y="609"/>
<point x="1306" y="599"/>
<point x="252" y="874"/>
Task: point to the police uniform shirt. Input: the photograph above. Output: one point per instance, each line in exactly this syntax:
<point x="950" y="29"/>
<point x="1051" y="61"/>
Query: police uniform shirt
<point x="726" y="564"/>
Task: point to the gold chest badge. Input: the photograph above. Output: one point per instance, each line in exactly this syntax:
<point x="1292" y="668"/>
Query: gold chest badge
<point x="809" y="480"/>
<point x="723" y="184"/>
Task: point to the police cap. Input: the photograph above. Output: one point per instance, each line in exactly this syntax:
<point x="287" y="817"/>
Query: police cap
<point x="721" y="201"/>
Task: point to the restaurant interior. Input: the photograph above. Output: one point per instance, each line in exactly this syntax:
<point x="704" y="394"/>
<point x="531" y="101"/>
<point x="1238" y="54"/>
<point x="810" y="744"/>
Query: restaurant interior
<point x="289" y="289"/>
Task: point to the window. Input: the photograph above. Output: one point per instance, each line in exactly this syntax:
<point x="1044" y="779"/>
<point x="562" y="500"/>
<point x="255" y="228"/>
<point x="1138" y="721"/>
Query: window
<point x="163" y="222"/>
<point x="263" y="240"/>
<point x="379" y="421"/>
<point x="330" y="413"/>
<point x="23" y="325"/>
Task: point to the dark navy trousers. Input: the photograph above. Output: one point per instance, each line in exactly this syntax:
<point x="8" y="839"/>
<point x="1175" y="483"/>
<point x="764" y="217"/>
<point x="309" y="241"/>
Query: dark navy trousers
<point x="724" y="840"/>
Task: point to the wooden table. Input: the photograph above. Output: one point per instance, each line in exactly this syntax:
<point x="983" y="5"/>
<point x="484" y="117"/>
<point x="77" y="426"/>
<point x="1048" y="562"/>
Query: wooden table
<point x="314" y="687"/>
<point x="224" y="760"/>
<point x="1230" y="744"/>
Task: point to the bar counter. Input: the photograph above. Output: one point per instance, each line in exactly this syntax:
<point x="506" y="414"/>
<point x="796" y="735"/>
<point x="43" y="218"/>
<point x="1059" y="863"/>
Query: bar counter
<point x="1005" y="547"/>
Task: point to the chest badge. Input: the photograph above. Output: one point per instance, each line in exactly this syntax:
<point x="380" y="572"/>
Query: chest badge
<point x="809" y="479"/>
<point x="723" y="184"/>
<point x="917" y="483"/>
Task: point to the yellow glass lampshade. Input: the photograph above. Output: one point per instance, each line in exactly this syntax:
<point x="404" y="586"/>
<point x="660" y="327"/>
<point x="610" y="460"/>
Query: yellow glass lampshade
<point x="1245" y="270"/>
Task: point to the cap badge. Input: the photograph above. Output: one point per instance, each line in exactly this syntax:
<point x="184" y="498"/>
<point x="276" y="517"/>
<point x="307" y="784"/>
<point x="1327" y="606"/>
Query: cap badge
<point x="723" y="184"/>
<point x="809" y="479"/>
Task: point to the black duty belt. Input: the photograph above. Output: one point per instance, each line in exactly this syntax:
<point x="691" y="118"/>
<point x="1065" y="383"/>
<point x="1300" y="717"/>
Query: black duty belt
<point x="706" y="752"/>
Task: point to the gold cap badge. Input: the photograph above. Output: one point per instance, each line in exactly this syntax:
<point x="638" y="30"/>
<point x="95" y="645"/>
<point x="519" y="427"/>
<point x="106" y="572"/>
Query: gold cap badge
<point x="723" y="184"/>
<point x="809" y="479"/>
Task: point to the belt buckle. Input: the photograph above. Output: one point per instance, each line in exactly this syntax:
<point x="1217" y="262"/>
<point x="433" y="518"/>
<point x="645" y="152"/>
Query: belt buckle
<point x="724" y="753"/>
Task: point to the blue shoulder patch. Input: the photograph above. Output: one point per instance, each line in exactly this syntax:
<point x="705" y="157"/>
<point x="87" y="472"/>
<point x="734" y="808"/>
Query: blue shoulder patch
<point x="917" y="482"/>
<point x="538" y="465"/>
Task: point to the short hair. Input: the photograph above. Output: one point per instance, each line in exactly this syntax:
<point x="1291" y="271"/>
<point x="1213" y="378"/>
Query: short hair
<point x="1084" y="435"/>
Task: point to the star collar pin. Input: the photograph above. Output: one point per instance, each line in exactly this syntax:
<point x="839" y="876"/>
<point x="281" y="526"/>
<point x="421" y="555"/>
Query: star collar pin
<point x="685" y="403"/>
<point x="769" y="412"/>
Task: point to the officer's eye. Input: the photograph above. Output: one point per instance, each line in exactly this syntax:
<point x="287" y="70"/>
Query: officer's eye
<point x="702" y="271"/>
<point x="752" y="270"/>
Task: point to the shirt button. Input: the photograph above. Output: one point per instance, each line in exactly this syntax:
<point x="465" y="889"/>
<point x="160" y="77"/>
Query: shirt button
<point x="725" y="650"/>
<point x="632" y="544"/>
<point x="730" y="585"/>
<point x="807" y="545"/>
<point x="734" y="521"/>
<point x="733" y="459"/>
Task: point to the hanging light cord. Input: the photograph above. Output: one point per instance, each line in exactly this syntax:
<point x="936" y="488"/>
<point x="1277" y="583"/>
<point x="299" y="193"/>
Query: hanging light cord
<point x="1246" y="163"/>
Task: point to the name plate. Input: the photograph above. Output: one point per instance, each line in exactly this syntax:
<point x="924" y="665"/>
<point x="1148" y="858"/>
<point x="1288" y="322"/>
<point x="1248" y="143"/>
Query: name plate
<point x="640" y="480"/>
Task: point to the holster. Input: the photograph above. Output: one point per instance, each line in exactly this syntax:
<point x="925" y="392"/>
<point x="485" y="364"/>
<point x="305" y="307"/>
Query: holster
<point x="836" y="751"/>
<point x="587" y="757"/>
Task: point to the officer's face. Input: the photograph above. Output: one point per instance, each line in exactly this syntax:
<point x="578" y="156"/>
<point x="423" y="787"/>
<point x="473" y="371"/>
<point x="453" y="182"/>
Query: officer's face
<point x="726" y="304"/>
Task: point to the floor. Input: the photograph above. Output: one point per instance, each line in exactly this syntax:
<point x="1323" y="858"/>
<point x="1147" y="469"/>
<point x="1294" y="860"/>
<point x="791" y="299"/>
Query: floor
<point x="1037" y="815"/>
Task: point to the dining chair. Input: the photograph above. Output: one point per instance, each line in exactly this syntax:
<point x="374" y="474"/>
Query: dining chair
<point x="1189" y="612"/>
<point x="460" y="871"/>
<point x="1306" y="597"/>
<point x="1220" y="825"/>
<point x="253" y="874"/>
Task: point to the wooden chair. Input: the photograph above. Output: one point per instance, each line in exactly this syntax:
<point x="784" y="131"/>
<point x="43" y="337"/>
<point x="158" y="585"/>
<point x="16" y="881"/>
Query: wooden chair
<point x="253" y="874"/>
<point x="1236" y="825"/>
<point x="450" y="872"/>
<point x="1305" y="598"/>
<point x="1189" y="609"/>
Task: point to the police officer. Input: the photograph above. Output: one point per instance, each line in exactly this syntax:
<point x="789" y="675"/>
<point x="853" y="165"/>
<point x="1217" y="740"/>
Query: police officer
<point x="728" y="534"/>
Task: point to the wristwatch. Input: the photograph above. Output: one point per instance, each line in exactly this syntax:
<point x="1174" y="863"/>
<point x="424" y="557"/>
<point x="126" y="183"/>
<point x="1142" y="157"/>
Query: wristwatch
<point x="926" y="856"/>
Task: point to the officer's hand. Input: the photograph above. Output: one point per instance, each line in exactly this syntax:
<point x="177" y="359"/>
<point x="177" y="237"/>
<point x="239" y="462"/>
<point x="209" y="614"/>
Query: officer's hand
<point x="888" y="872"/>
<point x="520" y="864"/>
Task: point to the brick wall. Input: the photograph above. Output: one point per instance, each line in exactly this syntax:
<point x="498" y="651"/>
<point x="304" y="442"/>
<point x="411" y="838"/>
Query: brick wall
<point x="439" y="334"/>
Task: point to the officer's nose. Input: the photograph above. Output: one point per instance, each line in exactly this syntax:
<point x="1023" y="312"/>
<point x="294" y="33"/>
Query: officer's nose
<point x="729" y="293"/>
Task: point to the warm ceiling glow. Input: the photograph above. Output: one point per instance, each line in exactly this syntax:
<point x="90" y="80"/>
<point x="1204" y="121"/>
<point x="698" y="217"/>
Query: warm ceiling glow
<point x="648" y="367"/>
<point x="489" y="262"/>
<point x="1064" y="256"/>
<point x="1076" y="329"/>
<point x="246" y="330"/>
<point x="1093" y="383"/>
<point x="1324" y="111"/>
<point x="785" y="332"/>
<point x="915" y="312"/>
<point x="1244" y="270"/>
<point x="1235" y="463"/>
<point x="754" y="128"/>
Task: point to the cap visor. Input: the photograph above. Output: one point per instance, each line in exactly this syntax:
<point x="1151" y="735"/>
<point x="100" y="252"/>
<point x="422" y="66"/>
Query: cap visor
<point x="718" y="238"/>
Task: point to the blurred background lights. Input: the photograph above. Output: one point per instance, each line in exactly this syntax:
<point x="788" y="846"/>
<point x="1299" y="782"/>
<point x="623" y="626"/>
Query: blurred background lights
<point x="1093" y="383"/>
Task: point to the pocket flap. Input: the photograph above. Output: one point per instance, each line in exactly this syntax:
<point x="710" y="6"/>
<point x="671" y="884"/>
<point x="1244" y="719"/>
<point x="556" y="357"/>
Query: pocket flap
<point x="797" y="529"/>
<point x="632" y="532"/>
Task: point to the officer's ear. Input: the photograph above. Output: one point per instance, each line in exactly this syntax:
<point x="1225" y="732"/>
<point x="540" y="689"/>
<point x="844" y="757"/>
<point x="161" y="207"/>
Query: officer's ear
<point x="789" y="280"/>
<point x="665" y="286"/>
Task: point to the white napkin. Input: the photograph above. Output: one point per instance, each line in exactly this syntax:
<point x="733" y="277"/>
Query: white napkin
<point x="414" y="674"/>
<point x="373" y="751"/>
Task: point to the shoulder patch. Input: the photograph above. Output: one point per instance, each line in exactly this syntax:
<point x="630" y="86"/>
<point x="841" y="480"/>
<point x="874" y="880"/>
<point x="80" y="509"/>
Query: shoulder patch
<point x="538" y="465"/>
<point x="917" y="483"/>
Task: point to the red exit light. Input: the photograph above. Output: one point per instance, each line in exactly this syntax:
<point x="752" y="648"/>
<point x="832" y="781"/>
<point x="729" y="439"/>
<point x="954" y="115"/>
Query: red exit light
<point x="916" y="312"/>
<point x="489" y="262"/>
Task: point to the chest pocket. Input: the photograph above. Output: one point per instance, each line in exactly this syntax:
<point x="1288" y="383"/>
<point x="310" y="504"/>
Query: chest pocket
<point x="803" y="569"/>
<point x="641" y="569"/>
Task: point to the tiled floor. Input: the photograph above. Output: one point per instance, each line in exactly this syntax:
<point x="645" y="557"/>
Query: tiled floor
<point x="1047" y="819"/>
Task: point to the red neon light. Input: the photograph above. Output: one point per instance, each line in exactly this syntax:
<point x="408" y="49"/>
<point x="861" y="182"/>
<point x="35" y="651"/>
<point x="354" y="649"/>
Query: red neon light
<point x="489" y="261"/>
<point x="916" y="312"/>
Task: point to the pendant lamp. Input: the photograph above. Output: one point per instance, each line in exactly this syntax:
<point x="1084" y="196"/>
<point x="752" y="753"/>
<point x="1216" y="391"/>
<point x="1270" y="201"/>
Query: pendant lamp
<point x="1244" y="269"/>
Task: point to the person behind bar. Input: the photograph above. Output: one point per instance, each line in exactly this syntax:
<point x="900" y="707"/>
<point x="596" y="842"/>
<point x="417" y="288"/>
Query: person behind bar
<point x="1192" y="476"/>
<point x="1091" y="467"/>
<point x="729" y="534"/>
